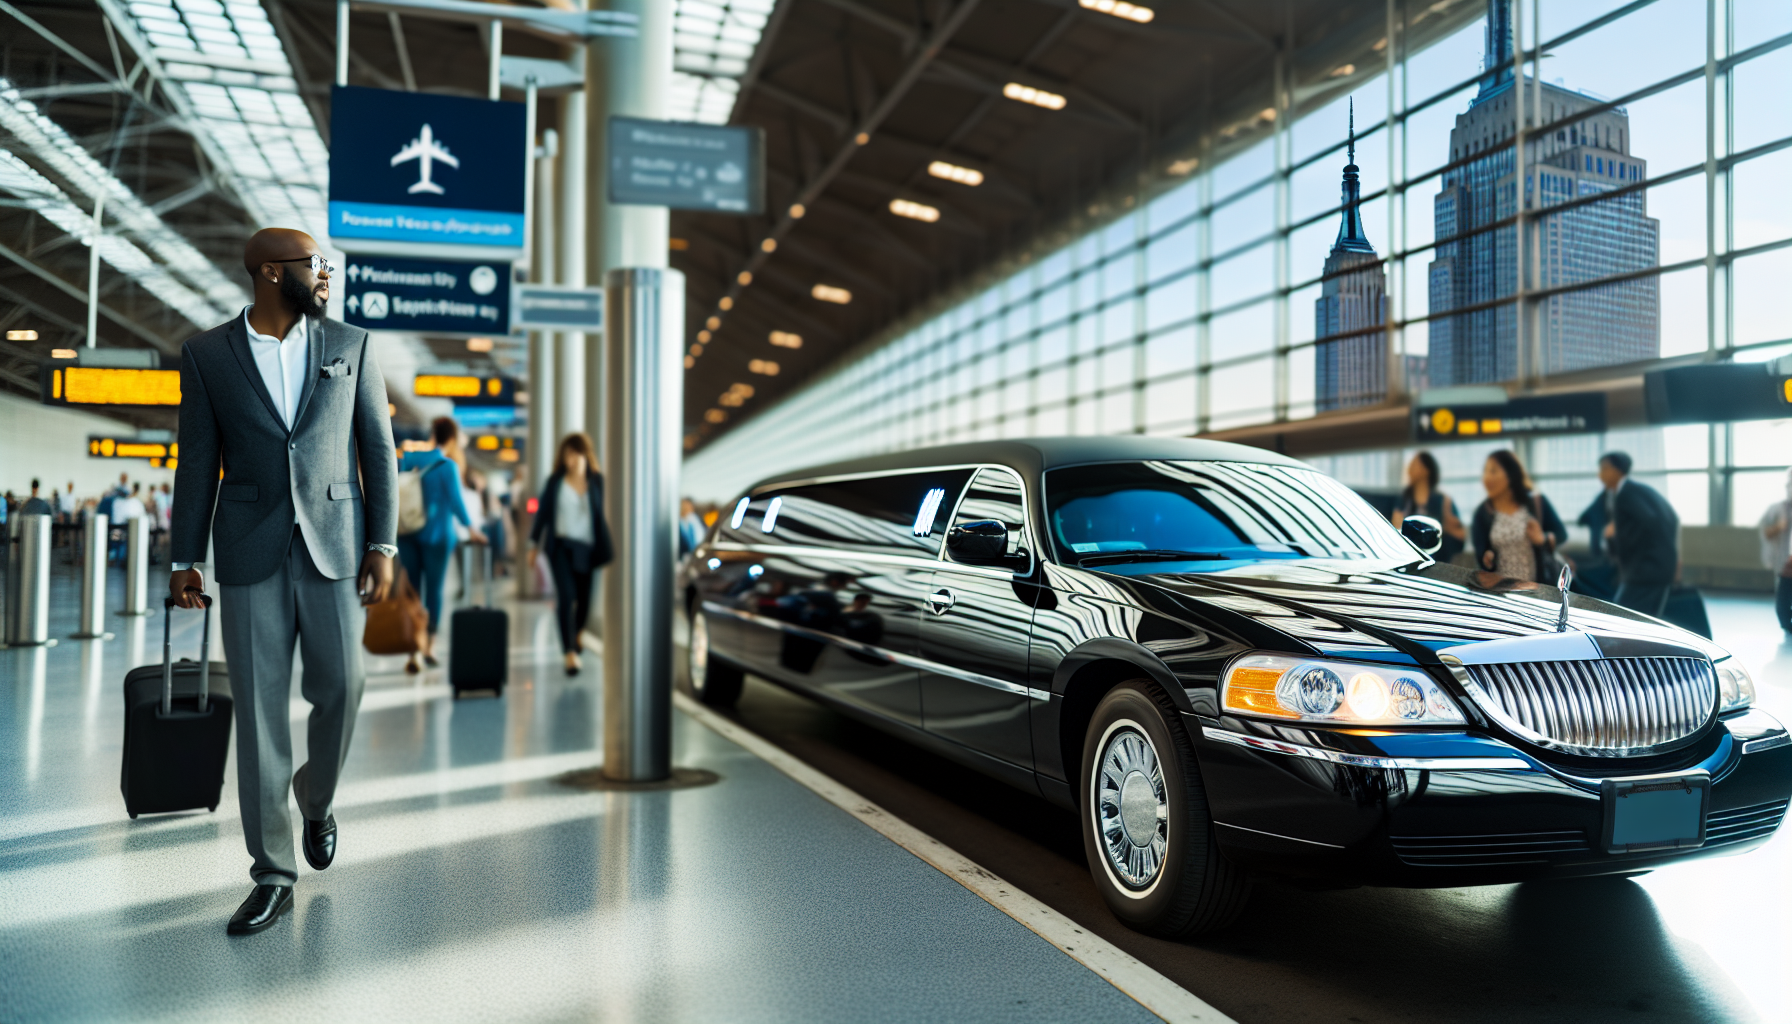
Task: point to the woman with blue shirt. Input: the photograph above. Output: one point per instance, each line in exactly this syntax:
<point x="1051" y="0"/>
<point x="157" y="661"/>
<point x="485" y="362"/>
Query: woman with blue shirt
<point x="426" y="553"/>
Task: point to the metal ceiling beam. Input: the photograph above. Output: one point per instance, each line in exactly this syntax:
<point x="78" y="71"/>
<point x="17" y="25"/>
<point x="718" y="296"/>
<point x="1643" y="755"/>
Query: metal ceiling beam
<point x="908" y="33"/>
<point x="911" y="73"/>
<point x="80" y="295"/>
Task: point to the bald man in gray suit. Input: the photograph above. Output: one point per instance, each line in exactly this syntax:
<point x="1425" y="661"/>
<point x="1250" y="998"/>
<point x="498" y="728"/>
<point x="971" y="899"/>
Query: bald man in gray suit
<point x="292" y="408"/>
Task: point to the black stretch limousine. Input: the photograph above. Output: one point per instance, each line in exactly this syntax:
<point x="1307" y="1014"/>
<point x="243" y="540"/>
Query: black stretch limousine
<point x="1230" y="665"/>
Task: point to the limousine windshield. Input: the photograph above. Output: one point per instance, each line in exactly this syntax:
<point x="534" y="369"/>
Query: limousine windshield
<point x="1128" y="512"/>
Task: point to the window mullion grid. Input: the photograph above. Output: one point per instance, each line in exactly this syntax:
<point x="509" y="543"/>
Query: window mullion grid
<point x="1284" y="142"/>
<point x="1204" y="304"/>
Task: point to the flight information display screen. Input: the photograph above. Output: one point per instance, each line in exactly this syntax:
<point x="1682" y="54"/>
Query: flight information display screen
<point x="106" y="385"/>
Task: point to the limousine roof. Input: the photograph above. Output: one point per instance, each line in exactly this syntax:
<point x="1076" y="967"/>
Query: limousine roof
<point x="1032" y="456"/>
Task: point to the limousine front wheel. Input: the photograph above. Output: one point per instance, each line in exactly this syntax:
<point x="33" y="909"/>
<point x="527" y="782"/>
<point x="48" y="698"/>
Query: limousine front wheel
<point x="713" y="682"/>
<point x="1146" y="828"/>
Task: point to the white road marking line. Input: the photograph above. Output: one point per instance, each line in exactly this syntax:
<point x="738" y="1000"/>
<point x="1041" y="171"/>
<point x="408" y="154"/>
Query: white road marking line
<point x="1125" y="972"/>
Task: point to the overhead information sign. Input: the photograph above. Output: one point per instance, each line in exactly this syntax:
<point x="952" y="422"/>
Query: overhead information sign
<point x="416" y="167"/>
<point x="103" y="385"/>
<point x="465" y="389"/>
<point x="159" y="453"/>
<point x="548" y="307"/>
<point x="686" y="166"/>
<point x="388" y="293"/>
<point x="1547" y="414"/>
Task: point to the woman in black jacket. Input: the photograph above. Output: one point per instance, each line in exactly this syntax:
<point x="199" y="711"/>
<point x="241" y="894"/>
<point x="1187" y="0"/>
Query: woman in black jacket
<point x="569" y="526"/>
<point x="1516" y="530"/>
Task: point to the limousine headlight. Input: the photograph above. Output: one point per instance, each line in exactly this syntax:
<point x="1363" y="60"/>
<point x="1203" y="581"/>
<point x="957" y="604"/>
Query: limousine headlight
<point x="1302" y="689"/>
<point x="1735" y="685"/>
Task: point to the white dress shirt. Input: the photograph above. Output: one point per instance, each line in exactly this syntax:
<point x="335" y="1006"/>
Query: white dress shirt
<point x="282" y="362"/>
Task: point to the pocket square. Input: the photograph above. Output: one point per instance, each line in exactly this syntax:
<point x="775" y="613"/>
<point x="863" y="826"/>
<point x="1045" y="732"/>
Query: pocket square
<point x="337" y="369"/>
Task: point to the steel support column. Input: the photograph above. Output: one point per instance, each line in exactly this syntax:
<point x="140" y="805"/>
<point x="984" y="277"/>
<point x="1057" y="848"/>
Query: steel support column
<point x="643" y="407"/>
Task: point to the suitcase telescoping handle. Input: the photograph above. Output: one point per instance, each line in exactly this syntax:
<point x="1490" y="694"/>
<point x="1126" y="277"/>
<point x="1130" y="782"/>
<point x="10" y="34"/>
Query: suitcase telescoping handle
<point x="205" y="654"/>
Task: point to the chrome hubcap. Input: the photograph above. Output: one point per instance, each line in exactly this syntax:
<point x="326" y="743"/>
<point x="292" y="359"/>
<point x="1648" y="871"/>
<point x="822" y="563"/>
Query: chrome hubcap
<point x="1131" y="813"/>
<point x="699" y="652"/>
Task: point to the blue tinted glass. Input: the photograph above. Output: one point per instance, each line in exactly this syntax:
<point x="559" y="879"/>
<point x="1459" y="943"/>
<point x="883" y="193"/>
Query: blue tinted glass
<point x="1130" y="520"/>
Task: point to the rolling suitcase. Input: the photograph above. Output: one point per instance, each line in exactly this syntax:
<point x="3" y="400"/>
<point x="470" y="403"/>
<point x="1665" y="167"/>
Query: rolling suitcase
<point x="480" y="657"/>
<point x="176" y="728"/>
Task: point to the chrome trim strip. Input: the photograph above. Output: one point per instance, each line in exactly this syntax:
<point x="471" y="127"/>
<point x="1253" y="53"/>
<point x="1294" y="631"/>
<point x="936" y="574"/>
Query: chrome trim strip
<point x="833" y="554"/>
<point x="1541" y="647"/>
<point x="1278" y="835"/>
<point x="865" y="475"/>
<point x="881" y="653"/>
<point x="1767" y="743"/>
<point x="1437" y="764"/>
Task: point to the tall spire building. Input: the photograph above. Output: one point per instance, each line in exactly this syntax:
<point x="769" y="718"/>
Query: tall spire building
<point x="1616" y="323"/>
<point x="1352" y="369"/>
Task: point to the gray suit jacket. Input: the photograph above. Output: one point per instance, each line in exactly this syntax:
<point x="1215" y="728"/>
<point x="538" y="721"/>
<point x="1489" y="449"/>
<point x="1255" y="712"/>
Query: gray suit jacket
<point x="341" y="444"/>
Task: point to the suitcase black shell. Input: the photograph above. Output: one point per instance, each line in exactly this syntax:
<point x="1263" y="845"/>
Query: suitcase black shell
<point x="175" y="761"/>
<point x="479" y="651"/>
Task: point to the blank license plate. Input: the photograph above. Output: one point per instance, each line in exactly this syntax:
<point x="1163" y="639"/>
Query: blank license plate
<point x="1655" y="812"/>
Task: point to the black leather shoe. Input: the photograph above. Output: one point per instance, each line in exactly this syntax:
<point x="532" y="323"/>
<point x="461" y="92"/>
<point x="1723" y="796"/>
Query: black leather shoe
<point x="320" y="842"/>
<point x="263" y="907"/>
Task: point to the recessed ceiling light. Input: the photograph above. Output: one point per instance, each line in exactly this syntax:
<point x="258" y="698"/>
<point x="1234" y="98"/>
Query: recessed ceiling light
<point x="1037" y="97"/>
<point x="797" y="210"/>
<point x="479" y="344"/>
<point x="785" y="339"/>
<point x="1120" y="9"/>
<point x="713" y="323"/>
<point x="953" y="172"/>
<point x="829" y="293"/>
<point x="861" y="138"/>
<point x="745" y="277"/>
<point x="22" y="336"/>
<point x="1181" y="167"/>
<point x="1342" y="70"/>
<point x="913" y="210"/>
<point x="769" y="245"/>
<point x="715" y="415"/>
<point x="727" y="302"/>
<point x="703" y="336"/>
<point x="678" y="244"/>
<point x="63" y="353"/>
<point x="690" y="361"/>
<point x="763" y="367"/>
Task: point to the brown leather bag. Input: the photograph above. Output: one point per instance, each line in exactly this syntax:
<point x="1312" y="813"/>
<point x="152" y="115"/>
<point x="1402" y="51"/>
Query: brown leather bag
<point x="398" y="624"/>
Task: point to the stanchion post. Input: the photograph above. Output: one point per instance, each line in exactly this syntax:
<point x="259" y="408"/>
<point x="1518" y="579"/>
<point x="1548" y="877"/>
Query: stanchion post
<point x="28" y="583"/>
<point x="136" y="566"/>
<point x="93" y="579"/>
<point x="643" y="416"/>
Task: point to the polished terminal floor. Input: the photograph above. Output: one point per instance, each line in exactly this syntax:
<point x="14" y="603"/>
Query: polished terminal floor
<point x="470" y="884"/>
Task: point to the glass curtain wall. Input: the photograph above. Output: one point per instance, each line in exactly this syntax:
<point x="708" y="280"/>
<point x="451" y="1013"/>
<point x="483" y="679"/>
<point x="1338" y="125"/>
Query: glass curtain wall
<point x="1372" y="243"/>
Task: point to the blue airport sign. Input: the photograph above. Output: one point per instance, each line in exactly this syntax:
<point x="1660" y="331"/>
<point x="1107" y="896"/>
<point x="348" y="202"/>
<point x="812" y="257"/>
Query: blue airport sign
<point x="686" y="166"/>
<point x="414" y="167"/>
<point x="388" y="293"/>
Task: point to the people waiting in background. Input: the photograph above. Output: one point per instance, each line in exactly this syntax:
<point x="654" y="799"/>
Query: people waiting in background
<point x="34" y="505"/>
<point x="570" y="528"/>
<point x="426" y="553"/>
<point x="1776" y="553"/>
<point x="690" y="527"/>
<point x="1642" y="536"/>
<point x="1516" y="530"/>
<point x="125" y="507"/>
<point x="1422" y="498"/>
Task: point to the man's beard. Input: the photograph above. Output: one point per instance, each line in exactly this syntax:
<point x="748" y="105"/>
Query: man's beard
<point x="303" y="299"/>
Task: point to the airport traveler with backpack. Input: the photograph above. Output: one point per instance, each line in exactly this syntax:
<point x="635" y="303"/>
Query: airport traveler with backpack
<point x="287" y="470"/>
<point x="429" y="498"/>
<point x="570" y="529"/>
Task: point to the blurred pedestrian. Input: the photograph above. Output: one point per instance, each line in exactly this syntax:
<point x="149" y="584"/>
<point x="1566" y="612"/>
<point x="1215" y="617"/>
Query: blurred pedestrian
<point x="1643" y="537"/>
<point x="1422" y="498"/>
<point x="1516" y="530"/>
<point x="690" y="527"/>
<point x="1776" y="553"/>
<point x="570" y="528"/>
<point x="426" y="552"/>
<point x="34" y="505"/>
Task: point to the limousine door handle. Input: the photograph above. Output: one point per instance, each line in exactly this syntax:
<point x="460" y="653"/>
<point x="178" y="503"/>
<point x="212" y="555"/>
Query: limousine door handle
<point x="939" y="601"/>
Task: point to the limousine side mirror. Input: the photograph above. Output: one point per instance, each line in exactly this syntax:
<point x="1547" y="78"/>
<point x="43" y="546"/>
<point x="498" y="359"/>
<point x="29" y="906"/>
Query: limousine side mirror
<point x="1426" y="533"/>
<point x="980" y="540"/>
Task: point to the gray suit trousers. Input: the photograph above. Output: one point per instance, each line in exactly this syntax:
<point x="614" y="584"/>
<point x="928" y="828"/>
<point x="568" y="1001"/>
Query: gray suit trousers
<point x="262" y="623"/>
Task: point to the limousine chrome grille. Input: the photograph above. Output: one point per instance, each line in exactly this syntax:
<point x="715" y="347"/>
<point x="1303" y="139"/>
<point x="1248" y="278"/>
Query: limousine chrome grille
<point x="1611" y="707"/>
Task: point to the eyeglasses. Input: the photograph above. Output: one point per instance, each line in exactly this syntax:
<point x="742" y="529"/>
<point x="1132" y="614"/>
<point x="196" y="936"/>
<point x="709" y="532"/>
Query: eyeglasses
<point x="319" y="265"/>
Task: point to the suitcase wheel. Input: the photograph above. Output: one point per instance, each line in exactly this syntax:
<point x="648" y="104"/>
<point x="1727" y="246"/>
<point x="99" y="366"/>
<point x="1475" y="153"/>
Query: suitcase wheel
<point x="213" y="807"/>
<point x="133" y="815"/>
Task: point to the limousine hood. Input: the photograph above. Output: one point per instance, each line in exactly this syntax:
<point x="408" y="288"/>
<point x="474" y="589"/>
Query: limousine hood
<point x="1342" y="609"/>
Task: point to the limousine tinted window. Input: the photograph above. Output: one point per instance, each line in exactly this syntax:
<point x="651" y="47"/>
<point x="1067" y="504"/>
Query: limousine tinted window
<point x="899" y="514"/>
<point x="1118" y="512"/>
